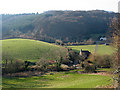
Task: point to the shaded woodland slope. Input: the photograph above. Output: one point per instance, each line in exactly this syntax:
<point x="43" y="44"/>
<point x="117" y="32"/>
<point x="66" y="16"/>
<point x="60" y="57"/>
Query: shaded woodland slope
<point x="72" y="26"/>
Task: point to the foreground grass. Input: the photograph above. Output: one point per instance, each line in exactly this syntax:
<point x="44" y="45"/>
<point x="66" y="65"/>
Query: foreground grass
<point x="58" y="80"/>
<point x="102" y="49"/>
<point x="32" y="50"/>
<point x="105" y="69"/>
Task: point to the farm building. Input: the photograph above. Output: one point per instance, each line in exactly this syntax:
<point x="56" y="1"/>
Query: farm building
<point x="84" y="53"/>
<point x="103" y="39"/>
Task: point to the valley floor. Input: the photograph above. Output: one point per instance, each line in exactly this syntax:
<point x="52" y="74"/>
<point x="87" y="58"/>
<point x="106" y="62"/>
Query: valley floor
<point x="69" y="79"/>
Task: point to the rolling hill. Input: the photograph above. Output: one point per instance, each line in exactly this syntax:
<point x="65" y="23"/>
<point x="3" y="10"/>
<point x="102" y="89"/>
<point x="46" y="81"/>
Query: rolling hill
<point x="33" y="50"/>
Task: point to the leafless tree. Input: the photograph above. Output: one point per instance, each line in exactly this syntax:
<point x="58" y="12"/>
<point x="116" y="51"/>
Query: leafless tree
<point x="116" y="41"/>
<point x="7" y="58"/>
<point x="43" y="63"/>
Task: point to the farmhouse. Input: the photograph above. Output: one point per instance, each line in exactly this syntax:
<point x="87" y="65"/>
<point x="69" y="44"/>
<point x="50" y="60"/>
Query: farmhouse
<point x="84" y="53"/>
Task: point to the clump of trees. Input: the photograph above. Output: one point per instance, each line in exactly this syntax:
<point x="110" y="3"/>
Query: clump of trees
<point x="101" y="61"/>
<point x="42" y="64"/>
<point x="14" y="67"/>
<point x="95" y="61"/>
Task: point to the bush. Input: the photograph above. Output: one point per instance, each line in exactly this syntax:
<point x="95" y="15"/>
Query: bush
<point x="90" y="68"/>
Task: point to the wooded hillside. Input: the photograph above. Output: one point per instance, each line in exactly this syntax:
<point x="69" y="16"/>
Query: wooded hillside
<point x="72" y="26"/>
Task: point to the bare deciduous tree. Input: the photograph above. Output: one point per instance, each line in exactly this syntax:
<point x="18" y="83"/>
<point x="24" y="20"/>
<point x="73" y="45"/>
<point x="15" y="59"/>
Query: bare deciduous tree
<point x="116" y="41"/>
<point x="7" y="58"/>
<point x="43" y="63"/>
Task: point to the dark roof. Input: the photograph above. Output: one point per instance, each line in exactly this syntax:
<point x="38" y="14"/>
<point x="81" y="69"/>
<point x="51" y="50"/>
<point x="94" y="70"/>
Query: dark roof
<point x="85" y="51"/>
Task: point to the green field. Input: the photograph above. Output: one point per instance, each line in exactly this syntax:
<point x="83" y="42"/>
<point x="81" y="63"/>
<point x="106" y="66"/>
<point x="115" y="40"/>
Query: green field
<point x="32" y="50"/>
<point x="102" y="49"/>
<point x="58" y="80"/>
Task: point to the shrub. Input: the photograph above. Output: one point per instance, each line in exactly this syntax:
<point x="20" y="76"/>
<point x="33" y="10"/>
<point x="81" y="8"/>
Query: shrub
<point x="90" y="68"/>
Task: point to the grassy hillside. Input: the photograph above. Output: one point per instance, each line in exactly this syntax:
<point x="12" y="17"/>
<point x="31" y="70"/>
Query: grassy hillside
<point x="58" y="80"/>
<point x="27" y="49"/>
<point x="102" y="49"/>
